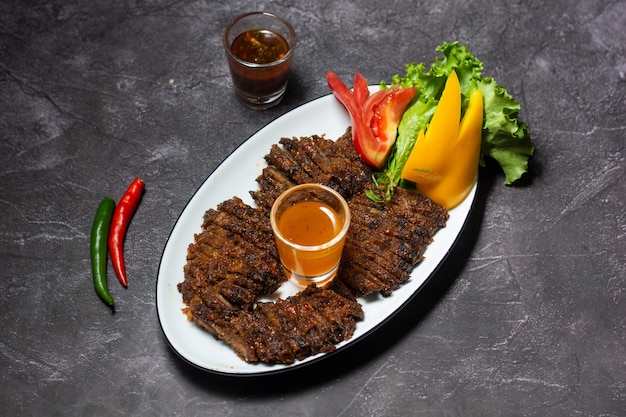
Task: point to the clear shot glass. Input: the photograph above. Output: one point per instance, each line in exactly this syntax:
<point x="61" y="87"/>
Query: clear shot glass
<point x="310" y="223"/>
<point x="259" y="49"/>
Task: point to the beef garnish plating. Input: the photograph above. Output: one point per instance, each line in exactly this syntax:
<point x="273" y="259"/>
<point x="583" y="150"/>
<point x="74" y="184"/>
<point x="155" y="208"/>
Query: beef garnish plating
<point x="233" y="261"/>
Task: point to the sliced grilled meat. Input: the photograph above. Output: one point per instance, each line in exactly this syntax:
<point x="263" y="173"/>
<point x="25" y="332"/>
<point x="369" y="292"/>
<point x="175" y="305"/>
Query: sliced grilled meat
<point x="272" y="183"/>
<point x="313" y="321"/>
<point x="351" y="175"/>
<point x="234" y="259"/>
<point x="249" y="223"/>
<point x="284" y="161"/>
<point x="299" y="154"/>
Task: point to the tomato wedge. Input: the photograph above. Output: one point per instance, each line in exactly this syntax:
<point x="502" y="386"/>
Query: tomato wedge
<point x="372" y="102"/>
<point x="388" y="112"/>
<point x="360" y="89"/>
<point x="361" y="133"/>
<point x="343" y="94"/>
<point x="374" y="117"/>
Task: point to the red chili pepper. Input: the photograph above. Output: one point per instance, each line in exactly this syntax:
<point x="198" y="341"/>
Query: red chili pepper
<point x="121" y="218"/>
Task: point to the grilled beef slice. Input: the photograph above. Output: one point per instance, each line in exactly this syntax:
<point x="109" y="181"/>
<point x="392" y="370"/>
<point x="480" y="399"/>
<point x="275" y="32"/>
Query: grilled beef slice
<point x="305" y="324"/>
<point x="234" y="259"/>
<point x="386" y="240"/>
<point x="313" y="159"/>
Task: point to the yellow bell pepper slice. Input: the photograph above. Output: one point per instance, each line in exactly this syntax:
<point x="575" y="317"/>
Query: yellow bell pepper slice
<point x="444" y="161"/>
<point x="428" y="159"/>
<point x="463" y="169"/>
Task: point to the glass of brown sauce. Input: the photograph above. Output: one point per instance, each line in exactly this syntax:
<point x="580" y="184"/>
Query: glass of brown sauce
<point x="259" y="48"/>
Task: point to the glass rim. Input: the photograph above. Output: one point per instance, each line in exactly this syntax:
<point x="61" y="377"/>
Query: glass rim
<point x="236" y="20"/>
<point x="311" y="248"/>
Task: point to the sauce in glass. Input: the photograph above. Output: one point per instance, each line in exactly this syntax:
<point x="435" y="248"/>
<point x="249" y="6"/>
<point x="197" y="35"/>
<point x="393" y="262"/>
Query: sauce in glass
<point x="312" y="225"/>
<point x="259" y="49"/>
<point x="259" y="46"/>
<point x="309" y="223"/>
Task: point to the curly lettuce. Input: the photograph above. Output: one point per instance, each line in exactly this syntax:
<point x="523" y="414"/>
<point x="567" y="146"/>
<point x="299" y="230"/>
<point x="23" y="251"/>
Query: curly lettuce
<point x="505" y="138"/>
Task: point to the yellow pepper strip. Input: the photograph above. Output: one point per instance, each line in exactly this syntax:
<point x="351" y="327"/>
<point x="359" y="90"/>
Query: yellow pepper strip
<point x="464" y="170"/>
<point x="444" y="161"/>
<point x="427" y="160"/>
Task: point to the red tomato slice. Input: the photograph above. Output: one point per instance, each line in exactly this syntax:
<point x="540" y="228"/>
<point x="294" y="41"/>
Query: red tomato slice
<point x="343" y="94"/>
<point x="375" y="117"/>
<point x="372" y="102"/>
<point x="388" y="112"/>
<point x="361" y="89"/>
<point x="366" y="145"/>
<point x="362" y="135"/>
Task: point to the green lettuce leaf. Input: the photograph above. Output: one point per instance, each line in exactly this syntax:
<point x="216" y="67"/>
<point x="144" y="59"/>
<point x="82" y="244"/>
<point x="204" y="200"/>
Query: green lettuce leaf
<point x="505" y="138"/>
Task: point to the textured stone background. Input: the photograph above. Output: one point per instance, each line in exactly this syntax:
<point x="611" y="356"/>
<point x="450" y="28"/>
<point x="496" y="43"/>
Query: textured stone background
<point x="526" y="318"/>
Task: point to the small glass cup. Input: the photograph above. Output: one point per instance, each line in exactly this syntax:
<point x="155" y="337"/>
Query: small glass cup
<point x="260" y="80"/>
<point x="310" y="223"/>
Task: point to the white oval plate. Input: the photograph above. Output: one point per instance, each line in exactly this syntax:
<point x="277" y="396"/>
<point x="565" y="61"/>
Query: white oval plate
<point x="236" y="176"/>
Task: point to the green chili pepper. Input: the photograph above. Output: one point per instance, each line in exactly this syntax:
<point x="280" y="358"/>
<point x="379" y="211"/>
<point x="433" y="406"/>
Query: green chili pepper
<point x="99" y="238"/>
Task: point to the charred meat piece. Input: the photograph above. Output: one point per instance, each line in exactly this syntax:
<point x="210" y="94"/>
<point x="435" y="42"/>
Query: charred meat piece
<point x="315" y="154"/>
<point x="294" y="147"/>
<point x="285" y="162"/>
<point x="353" y="175"/>
<point x="213" y="314"/>
<point x="249" y="223"/>
<point x="219" y="254"/>
<point x="312" y="159"/>
<point x="230" y="263"/>
<point x="387" y="240"/>
<point x="284" y="331"/>
<point x="272" y="183"/>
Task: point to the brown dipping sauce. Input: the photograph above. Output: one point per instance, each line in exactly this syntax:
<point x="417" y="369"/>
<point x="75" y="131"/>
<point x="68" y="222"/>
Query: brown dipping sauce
<point x="259" y="46"/>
